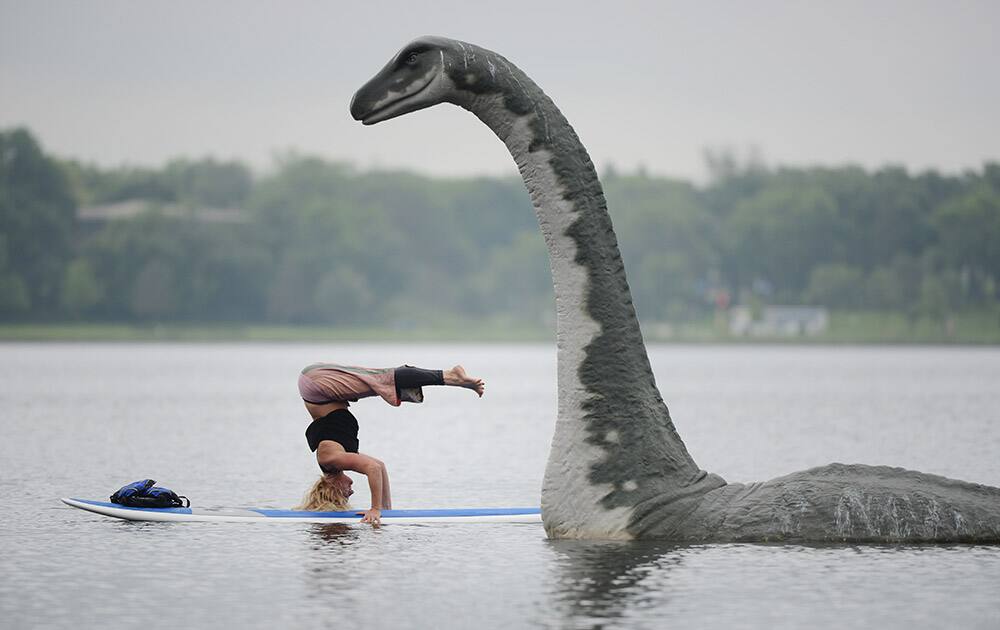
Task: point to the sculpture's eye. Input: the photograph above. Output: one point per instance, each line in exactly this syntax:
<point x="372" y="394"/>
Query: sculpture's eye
<point x="412" y="58"/>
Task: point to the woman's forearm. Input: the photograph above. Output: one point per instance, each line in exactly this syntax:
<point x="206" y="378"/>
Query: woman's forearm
<point x="375" y="485"/>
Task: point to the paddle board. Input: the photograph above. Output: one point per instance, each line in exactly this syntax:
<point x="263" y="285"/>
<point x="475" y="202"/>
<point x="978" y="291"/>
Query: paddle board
<point x="473" y="515"/>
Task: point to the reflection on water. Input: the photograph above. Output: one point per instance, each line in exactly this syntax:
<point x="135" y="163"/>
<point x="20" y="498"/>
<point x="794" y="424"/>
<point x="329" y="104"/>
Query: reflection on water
<point x="600" y="582"/>
<point x="644" y="584"/>
<point x="333" y="533"/>
<point x="327" y="579"/>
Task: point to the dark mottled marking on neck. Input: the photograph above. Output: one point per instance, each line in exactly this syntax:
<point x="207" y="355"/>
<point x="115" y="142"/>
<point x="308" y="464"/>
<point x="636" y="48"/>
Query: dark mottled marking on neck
<point x="616" y="371"/>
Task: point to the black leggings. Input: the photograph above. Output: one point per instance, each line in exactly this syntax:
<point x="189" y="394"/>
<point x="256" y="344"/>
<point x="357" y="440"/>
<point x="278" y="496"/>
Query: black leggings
<point x="408" y="376"/>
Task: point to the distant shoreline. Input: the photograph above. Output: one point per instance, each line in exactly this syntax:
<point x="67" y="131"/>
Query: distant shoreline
<point x="253" y="333"/>
<point x="979" y="328"/>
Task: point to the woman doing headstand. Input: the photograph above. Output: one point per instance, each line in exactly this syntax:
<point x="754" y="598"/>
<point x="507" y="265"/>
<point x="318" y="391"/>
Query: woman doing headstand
<point x="327" y="389"/>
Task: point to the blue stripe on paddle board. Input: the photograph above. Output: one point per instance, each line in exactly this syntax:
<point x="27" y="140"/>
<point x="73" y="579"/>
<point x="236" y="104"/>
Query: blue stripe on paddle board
<point x="349" y="514"/>
<point x="406" y="513"/>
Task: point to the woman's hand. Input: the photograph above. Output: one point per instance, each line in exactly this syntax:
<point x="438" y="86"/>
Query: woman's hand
<point x="373" y="516"/>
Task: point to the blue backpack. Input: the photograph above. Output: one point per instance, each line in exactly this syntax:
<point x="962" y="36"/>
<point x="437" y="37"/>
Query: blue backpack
<point x="144" y="494"/>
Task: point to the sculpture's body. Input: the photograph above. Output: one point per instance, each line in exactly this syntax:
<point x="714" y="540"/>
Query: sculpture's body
<point x="618" y="468"/>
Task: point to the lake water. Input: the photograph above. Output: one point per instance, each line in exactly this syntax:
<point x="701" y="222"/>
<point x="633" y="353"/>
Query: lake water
<point x="222" y="424"/>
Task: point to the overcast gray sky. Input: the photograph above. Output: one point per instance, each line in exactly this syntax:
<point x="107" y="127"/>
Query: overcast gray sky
<point x="644" y="83"/>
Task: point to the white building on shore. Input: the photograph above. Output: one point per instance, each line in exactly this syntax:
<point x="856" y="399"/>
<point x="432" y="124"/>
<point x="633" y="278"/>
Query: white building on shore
<point x="778" y="321"/>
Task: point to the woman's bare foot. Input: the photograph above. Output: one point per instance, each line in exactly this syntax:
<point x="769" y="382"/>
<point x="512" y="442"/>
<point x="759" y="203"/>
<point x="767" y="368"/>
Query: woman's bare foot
<point x="456" y="376"/>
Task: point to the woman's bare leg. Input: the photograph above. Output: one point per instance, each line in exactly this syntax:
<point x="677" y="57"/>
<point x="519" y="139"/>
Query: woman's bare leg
<point x="386" y="495"/>
<point x="457" y="377"/>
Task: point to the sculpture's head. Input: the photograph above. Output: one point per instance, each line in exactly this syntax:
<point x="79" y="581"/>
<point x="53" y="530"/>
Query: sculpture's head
<point x="413" y="79"/>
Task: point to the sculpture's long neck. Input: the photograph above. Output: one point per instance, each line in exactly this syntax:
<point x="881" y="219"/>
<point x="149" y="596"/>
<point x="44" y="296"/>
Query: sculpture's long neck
<point x="615" y="454"/>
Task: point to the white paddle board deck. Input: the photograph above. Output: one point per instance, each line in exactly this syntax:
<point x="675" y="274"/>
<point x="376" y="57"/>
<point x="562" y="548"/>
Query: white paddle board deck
<point x="233" y="515"/>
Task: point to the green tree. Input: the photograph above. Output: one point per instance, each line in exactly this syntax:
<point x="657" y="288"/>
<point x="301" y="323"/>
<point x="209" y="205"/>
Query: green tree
<point x="37" y="214"/>
<point x="884" y="214"/>
<point x="934" y="301"/>
<point x="514" y="279"/>
<point x="836" y="285"/>
<point x="344" y="296"/>
<point x="969" y="229"/>
<point x="14" y="298"/>
<point x="780" y="234"/>
<point x="669" y="242"/>
<point x="209" y="183"/>
<point x="884" y="290"/>
<point x="154" y="293"/>
<point x="81" y="289"/>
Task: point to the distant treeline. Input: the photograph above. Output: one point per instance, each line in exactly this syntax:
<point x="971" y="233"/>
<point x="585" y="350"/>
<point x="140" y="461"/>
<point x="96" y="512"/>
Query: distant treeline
<point x="315" y="242"/>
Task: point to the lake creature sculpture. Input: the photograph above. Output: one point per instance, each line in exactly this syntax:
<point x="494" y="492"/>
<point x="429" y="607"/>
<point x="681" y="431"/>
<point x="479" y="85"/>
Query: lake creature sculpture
<point x="618" y="468"/>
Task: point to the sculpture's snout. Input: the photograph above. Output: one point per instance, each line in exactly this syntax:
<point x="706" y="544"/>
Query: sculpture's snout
<point x="356" y="110"/>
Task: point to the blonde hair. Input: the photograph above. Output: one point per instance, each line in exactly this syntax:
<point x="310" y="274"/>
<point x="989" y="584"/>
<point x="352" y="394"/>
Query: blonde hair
<point x="324" y="496"/>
